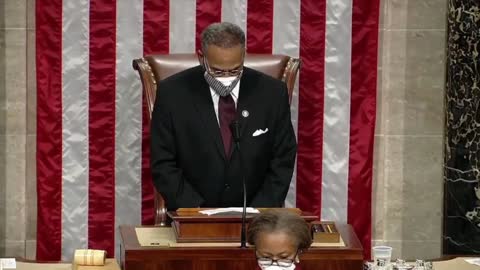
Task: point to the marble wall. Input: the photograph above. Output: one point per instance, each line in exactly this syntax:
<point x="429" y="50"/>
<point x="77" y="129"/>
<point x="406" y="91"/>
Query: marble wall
<point x="408" y="148"/>
<point x="408" y="143"/>
<point x="462" y="162"/>
<point x="17" y="128"/>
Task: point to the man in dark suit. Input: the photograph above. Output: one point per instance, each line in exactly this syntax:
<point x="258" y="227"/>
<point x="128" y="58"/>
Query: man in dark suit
<point x="193" y="161"/>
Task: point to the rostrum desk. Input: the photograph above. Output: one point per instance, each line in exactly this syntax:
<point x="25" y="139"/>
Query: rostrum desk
<point x="137" y="257"/>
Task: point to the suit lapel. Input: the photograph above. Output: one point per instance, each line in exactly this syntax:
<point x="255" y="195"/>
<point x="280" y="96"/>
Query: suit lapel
<point x="245" y="99"/>
<point x="202" y="99"/>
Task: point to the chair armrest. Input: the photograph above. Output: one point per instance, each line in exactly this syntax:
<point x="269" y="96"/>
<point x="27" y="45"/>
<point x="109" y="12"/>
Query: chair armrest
<point x="149" y="84"/>
<point x="149" y="88"/>
<point x="290" y="75"/>
<point x="160" y="210"/>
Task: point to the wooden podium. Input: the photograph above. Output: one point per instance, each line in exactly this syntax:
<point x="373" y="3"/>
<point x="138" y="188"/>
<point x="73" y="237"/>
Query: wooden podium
<point x="137" y="257"/>
<point x="190" y="225"/>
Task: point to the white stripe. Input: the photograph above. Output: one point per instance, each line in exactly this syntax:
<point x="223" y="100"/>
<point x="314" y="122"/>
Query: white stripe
<point x="336" y="129"/>
<point x="182" y="26"/>
<point x="235" y="11"/>
<point x="286" y="27"/>
<point x="75" y="45"/>
<point x="286" y="40"/>
<point x="128" y="117"/>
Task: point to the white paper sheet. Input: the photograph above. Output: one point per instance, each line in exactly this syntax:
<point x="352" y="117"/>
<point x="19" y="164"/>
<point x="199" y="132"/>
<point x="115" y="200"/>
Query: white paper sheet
<point x="474" y="261"/>
<point x="8" y="263"/>
<point x="250" y="210"/>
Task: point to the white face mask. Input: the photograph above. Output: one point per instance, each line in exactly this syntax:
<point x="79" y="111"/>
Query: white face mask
<point x="226" y="80"/>
<point x="276" y="267"/>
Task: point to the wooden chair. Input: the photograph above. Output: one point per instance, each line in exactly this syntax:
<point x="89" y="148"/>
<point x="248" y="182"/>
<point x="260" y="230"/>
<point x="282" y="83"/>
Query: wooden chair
<point x="153" y="68"/>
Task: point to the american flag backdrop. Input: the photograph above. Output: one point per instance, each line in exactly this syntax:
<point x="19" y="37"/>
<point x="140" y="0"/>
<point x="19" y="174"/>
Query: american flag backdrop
<point x="93" y="147"/>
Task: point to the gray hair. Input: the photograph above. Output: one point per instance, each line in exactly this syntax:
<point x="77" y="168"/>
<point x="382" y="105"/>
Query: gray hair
<point x="224" y="35"/>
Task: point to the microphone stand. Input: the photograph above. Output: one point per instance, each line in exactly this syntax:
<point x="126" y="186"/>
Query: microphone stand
<point x="235" y="129"/>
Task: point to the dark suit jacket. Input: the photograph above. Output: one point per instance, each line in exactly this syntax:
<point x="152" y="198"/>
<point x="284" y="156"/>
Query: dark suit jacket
<point x="187" y="156"/>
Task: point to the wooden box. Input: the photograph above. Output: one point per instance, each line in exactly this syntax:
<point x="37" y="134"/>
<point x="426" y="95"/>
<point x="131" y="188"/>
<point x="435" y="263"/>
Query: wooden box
<point x="325" y="232"/>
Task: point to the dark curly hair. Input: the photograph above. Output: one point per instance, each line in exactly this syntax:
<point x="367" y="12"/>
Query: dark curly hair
<point x="280" y="220"/>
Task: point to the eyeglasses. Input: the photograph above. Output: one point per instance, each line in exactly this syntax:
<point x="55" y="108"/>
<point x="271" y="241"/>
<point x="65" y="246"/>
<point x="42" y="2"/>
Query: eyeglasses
<point x="222" y="73"/>
<point x="263" y="261"/>
<point x="279" y="262"/>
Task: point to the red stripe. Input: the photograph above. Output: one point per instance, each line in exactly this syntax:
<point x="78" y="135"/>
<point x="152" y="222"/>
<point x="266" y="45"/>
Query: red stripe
<point x="155" y="40"/>
<point x="362" y="117"/>
<point x="49" y="129"/>
<point x="259" y="26"/>
<point x="155" y="26"/>
<point x="311" y="98"/>
<point x="101" y="208"/>
<point x="148" y="211"/>
<point x="208" y="12"/>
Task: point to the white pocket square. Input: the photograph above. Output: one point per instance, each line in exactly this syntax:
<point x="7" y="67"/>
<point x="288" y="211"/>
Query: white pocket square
<point x="259" y="132"/>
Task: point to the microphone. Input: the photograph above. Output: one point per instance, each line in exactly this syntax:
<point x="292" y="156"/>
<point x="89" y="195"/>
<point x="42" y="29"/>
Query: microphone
<point x="235" y="129"/>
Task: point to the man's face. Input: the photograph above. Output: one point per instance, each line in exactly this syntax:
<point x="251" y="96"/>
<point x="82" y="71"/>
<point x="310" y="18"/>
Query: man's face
<point x="224" y="62"/>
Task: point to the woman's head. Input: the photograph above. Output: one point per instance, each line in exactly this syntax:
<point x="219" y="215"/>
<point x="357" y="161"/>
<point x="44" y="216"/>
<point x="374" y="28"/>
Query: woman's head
<point x="279" y="236"/>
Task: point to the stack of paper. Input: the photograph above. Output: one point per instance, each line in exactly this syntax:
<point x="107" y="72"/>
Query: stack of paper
<point x="250" y="210"/>
<point x="475" y="261"/>
<point x="8" y="263"/>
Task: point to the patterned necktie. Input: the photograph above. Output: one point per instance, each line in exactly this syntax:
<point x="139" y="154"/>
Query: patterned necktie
<point x="226" y="114"/>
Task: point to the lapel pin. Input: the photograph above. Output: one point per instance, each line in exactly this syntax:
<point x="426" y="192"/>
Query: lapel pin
<point x="245" y="113"/>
